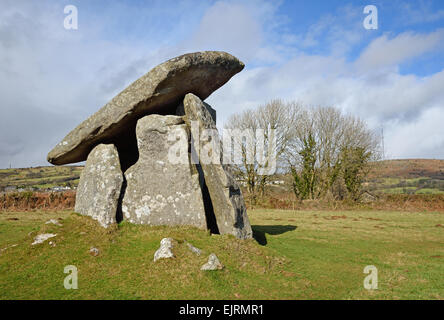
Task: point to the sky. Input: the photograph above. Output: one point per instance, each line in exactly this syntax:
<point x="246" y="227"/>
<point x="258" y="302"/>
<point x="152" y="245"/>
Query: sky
<point x="315" y="52"/>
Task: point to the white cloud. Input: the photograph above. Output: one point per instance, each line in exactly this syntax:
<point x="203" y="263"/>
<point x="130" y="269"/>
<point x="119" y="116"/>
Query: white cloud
<point x="243" y="28"/>
<point x="52" y="79"/>
<point x="229" y="26"/>
<point x="336" y="32"/>
<point x="380" y="95"/>
<point x="385" y="52"/>
<point x="423" y="137"/>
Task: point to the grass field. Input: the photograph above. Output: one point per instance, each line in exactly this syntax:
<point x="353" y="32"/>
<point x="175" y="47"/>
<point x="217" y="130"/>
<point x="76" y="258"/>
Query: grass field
<point x="295" y="255"/>
<point x="40" y="177"/>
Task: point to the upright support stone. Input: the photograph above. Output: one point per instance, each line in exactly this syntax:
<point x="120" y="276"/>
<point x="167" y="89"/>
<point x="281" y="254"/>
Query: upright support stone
<point x="100" y="185"/>
<point x="163" y="189"/>
<point x="226" y="197"/>
<point x="180" y="111"/>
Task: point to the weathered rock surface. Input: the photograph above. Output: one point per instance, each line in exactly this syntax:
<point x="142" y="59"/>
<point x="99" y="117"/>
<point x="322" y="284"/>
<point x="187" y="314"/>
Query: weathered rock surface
<point x="226" y="197"/>
<point x="165" y="250"/>
<point x="42" y="238"/>
<point x="53" y="221"/>
<point x="180" y="111"/>
<point x="193" y="249"/>
<point x="160" y="191"/>
<point x="212" y="264"/>
<point x="159" y="91"/>
<point x="100" y="185"/>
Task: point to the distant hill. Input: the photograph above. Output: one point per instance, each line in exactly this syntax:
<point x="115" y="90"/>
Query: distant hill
<point x="409" y="168"/>
<point x="40" y="177"/>
<point x="407" y="176"/>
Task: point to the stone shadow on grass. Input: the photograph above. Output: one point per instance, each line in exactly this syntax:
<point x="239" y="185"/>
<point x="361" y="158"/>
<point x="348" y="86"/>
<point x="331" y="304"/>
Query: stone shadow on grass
<point x="259" y="232"/>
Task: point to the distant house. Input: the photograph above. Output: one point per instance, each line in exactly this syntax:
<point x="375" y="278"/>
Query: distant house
<point x="58" y="189"/>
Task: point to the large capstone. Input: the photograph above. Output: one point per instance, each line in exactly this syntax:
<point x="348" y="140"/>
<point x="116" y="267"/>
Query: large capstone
<point x="226" y="197"/>
<point x="100" y="185"/>
<point x="162" y="187"/>
<point x="159" y="91"/>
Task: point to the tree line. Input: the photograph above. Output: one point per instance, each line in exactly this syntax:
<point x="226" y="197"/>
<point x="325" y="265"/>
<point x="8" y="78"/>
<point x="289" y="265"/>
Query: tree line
<point x="324" y="151"/>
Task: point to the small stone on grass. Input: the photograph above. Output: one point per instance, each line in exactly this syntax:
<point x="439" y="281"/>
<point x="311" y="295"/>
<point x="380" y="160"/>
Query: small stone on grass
<point x="164" y="252"/>
<point x="94" y="251"/>
<point x="212" y="264"/>
<point x="42" y="238"/>
<point x="53" y="221"/>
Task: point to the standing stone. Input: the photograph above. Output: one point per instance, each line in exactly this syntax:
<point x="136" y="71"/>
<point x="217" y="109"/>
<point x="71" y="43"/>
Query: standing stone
<point x="180" y="111"/>
<point x="226" y="197"/>
<point x="100" y="185"/>
<point x="163" y="189"/>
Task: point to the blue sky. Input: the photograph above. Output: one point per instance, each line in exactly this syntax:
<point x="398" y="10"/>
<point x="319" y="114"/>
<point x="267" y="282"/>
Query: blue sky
<point x="316" y="52"/>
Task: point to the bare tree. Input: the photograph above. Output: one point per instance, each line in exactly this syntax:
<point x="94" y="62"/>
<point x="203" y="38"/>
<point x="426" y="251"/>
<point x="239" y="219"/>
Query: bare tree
<point x="276" y="120"/>
<point x="326" y="152"/>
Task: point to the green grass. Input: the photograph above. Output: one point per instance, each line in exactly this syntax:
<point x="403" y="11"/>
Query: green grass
<point x="399" y="190"/>
<point x="390" y="181"/>
<point x="429" y="191"/>
<point x="396" y="185"/>
<point x="296" y="255"/>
